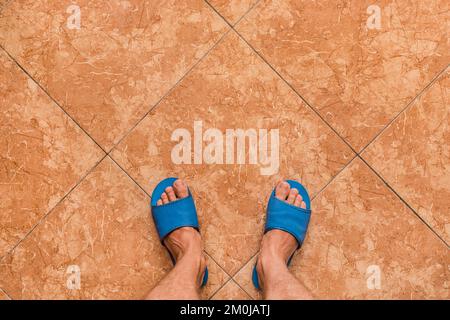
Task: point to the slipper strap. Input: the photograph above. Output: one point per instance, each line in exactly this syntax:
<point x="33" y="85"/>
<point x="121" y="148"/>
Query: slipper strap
<point x="286" y="217"/>
<point x="174" y="215"/>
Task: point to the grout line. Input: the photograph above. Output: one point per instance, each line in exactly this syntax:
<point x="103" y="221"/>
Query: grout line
<point x="6" y="293"/>
<point x="251" y="298"/>
<point x="231" y="277"/>
<point x="169" y="91"/>
<point x="216" y="291"/>
<point x="295" y="91"/>
<point x="51" y="98"/>
<point x="44" y="217"/>
<point x="238" y="20"/>
<point x="118" y="165"/>
<point x="408" y="105"/>
<point x="404" y="201"/>
<point x="334" y="177"/>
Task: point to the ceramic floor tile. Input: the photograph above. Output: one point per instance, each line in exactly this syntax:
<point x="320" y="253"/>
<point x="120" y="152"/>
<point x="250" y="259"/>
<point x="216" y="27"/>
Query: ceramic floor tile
<point x="413" y="155"/>
<point x="232" y="10"/>
<point x="359" y="229"/>
<point x="231" y="291"/>
<point x="4" y="4"/>
<point x="244" y="278"/>
<point x="3" y="296"/>
<point x="356" y="76"/>
<point x="216" y="278"/>
<point x="233" y="89"/>
<point x="104" y="228"/>
<point x="43" y="154"/>
<point x="124" y="57"/>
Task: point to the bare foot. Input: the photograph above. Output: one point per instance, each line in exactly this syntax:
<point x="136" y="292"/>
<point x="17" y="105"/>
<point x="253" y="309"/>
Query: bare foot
<point x="185" y="244"/>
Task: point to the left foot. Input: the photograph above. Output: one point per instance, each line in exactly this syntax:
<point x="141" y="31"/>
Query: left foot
<point x="185" y="244"/>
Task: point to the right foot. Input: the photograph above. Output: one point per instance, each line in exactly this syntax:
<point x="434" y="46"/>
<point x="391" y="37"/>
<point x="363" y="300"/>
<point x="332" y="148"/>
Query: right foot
<point x="184" y="243"/>
<point x="277" y="246"/>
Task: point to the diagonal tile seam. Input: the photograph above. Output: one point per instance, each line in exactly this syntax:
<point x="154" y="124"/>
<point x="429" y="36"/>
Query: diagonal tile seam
<point x="406" y="108"/>
<point x="224" y="271"/>
<point x="185" y="74"/>
<point x="403" y="200"/>
<point x="6" y="293"/>
<point x="224" y="19"/>
<point x="168" y="92"/>
<point x="230" y="277"/>
<point x="52" y="209"/>
<point x="357" y="156"/>
<point x="51" y="98"/>
<point x="236" y="283"/>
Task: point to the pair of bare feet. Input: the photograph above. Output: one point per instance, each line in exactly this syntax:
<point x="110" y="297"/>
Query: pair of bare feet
<point x="185" y="244"/>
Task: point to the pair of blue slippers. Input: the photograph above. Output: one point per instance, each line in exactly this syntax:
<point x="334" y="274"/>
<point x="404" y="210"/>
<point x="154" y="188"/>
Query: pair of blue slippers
<point x="182" y="213"/>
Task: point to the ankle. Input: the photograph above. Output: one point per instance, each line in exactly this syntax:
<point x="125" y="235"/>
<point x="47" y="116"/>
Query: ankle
<point x="185" y="242"/>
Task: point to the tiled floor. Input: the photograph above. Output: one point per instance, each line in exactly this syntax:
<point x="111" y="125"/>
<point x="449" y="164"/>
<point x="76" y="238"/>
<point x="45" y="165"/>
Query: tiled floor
<point x="87" y="117"/>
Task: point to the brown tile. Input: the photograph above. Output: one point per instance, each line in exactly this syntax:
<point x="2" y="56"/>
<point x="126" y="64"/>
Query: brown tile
<point x="216" y="278"/>
<point x="231" y="291"/>
<point x="357" y="78"/>
<point x="233" y="89"/>
<point x="4" y="4"/>
<point x="232" y="10"/>
<point x="103" y="227"/>
<point x="413" y="155"/>
<point x="3" y="295"/>
<point x="43" y="154"/>
<point x="356" y="223"/>
<point x="244" y="278"/>
<point x="123" y="59"/>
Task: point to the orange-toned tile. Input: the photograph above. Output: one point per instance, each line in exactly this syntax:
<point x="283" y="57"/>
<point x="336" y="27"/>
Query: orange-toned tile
<point x="3" y="295"/>
<point x="4" y="4"/>
<point x="231" y="291"/>
<point x="216" y="279"/>
<point x="358" y="225"/>
<point x="104" y="228"/>
<point x="123" y="59"/>
<point x="357" y="77"/>
<point x="233" y="89"/>
<point x="413" y="155"/>
<point x="232" y="10"/>
<point x="43" y="154"/>
<point x="244" y="278"/>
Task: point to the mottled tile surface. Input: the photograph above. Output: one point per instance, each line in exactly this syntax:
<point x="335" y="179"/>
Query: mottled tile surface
<point x="60" y="208"/>
<point x="357" y="78"/>
<point x="43" y="154"/>
<point x="232" y="10"/>
<point x="3" y="295"/>
<point x="231" y="291"/>
<point x="104" y="228"/>
<point x="4" y="4"/>
<point x="413" y="155"/>
<point x="123" y="59"/>
<point x="234" y="89"/>
<point x="358" y="222"/>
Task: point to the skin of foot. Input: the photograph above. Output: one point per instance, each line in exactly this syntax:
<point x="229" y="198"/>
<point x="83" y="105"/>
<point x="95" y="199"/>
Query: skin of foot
<point x="185" y="244"/>
<point x="277" y="246"/>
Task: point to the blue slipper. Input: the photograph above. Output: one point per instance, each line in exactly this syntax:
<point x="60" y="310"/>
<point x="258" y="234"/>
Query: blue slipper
<point x="174" y="215"/>
<point x="286" y="217"/>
